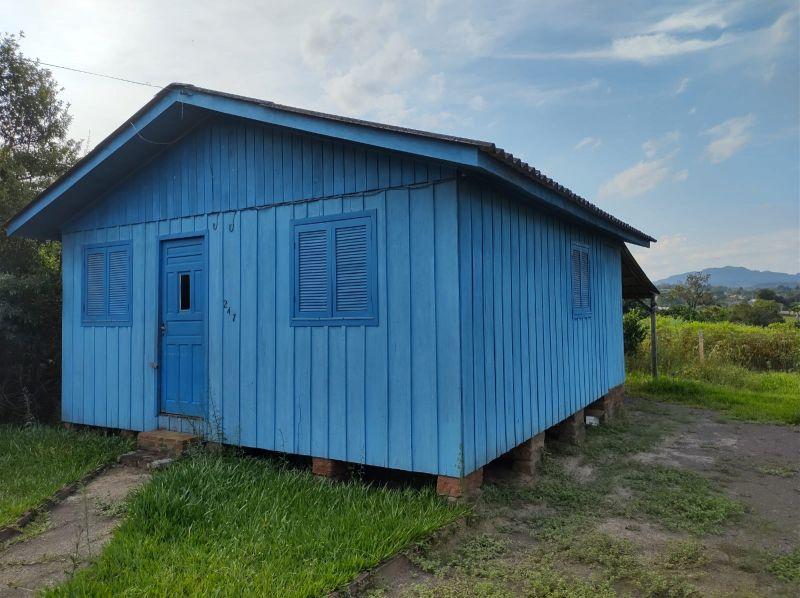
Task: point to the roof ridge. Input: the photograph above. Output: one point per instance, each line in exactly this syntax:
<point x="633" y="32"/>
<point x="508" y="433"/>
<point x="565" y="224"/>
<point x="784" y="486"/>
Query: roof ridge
<point x="486" y="147"/>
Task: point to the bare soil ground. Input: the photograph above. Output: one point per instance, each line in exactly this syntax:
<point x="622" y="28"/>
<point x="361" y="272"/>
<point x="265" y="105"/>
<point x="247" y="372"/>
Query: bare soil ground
<point x="60" y="542"/>
<point x="668" y="501"/>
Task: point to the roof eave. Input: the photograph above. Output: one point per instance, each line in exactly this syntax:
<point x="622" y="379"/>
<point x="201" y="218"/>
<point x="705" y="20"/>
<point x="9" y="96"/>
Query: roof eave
<point x="480" y="155"/>
<point x="575" y="207"/>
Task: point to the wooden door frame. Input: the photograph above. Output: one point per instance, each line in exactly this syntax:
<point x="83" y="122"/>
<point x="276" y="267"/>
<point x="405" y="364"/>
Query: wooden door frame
<point x="202" y="235"/>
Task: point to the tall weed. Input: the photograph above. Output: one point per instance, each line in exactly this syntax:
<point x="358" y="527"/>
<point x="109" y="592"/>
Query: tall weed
<point x="774" y="348"/>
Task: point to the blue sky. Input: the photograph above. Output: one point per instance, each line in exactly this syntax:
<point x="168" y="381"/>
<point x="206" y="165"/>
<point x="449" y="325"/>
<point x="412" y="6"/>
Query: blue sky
<point x="682" y="118"/>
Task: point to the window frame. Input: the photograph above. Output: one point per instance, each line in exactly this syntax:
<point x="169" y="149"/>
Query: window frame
<point x="577" y="310"/>
<point x="330" y="223"/>
<point x="106" y="319"/>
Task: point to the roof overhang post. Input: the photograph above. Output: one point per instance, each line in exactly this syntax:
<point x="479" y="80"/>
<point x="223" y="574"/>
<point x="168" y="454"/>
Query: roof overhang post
<point x="653" y="338"/>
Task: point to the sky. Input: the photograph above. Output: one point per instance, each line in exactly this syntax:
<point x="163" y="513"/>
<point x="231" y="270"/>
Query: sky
<point x="680" y="118"/>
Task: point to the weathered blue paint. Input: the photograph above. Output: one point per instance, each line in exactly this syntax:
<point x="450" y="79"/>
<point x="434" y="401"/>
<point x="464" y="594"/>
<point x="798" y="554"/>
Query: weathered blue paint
<point x="526" y="361"/>
<point x="386" y="395"/>
<point x="473" y="350"/>
<point x="182" y="326"/>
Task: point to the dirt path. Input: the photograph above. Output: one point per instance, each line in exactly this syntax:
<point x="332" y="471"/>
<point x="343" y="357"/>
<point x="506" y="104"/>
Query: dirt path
<point x="672" y="501"/>
<point x="64" y="540"/>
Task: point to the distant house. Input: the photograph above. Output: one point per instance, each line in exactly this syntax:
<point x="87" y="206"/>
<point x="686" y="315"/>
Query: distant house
<point x="323" y="286"/>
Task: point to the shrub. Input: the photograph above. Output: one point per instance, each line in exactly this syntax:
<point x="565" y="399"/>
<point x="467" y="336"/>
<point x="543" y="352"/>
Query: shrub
<point x="633" y="331"/>
<point x="772" y="348"/>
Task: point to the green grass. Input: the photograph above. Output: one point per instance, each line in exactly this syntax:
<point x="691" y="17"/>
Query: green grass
<point x="787" y="567"/>
<point x="679" y="499"/>
<point x="221" y="524"/>
<point x="754" y="396"/>
<point x="36" y="461"/>
<point x="686" y="554"/>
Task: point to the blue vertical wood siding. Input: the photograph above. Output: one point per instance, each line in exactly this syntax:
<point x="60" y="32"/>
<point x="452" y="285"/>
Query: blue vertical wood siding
<point x="232" y="164"/>
<point x="526" y="361"/>
<point x="385" y="395"/>
<point x="475" y="349"/>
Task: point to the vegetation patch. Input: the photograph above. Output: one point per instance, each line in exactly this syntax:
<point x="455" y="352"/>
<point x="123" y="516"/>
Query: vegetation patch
<point x="686" y="554"/>
<point x="219" y="523"/>
<point x="36" y="461"/>
<point x="760" y="348"/>
<point x="679" y="499"/>
<point x="529" y="573"/>
<point x="570" y="554"/>
<point x="37" y="526"/>
<point x="787" y="567"/>
<point x="754" y="396"/>
<point x="778" y="470"/>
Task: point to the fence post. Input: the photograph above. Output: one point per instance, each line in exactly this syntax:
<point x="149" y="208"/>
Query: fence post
<point x="701" y="347"/>
<point x="653" y="338"/>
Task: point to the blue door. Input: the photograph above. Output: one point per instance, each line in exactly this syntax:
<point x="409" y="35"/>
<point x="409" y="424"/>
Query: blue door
<point x="182" y="326"/>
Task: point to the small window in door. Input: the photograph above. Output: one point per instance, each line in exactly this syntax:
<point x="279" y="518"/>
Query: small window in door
<point x="185" y="292"/>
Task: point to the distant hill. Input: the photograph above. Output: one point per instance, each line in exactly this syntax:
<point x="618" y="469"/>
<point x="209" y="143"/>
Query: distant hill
<point x="734" y="277"/>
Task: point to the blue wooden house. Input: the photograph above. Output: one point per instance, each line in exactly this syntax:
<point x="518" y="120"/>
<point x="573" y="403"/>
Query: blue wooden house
<point x="324" y="286"/>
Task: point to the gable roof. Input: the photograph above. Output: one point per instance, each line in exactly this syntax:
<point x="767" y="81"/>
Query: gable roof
<point x="178" y="108"/>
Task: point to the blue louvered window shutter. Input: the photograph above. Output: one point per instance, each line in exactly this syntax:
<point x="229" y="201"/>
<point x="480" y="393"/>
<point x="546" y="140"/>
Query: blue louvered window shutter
<point x="335" y="277"/>
<point x="352" y="291"/>
<point x="585" y="302"/>
<point x="95" y="301"/>
<point x="312" y="294"/>
<point x="107" y="284"/>
<point x="580" y="277"/>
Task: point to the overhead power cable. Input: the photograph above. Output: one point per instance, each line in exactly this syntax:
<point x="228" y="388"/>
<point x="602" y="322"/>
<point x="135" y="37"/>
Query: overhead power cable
<point x="85" y="72"/>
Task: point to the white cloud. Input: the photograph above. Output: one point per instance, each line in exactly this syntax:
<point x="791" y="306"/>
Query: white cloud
<point x="640" y="178"/>
<point x="649" y="173"/>
<point x="328" y="56"/>
<point x="684" y="83"/>
<point x="647" y="48"/>
<point x="659" y="145"/>
<point x="541" y="95"/>
<point x="693" y="109"/>
<point x="758" y="49"/>
<point x="589" y="142"/>
<point x="643" y="48"/>
<point x="477" y="103"/>
<point x="373" y="84"/>
<point x="694" y="19"/>
<point x="676" y="253"/>
<point x="728" y="137"/>
<point x="697" y="29"/>
<point x="781" y="30"/>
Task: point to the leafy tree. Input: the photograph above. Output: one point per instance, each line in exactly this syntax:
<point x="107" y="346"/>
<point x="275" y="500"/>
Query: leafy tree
<point x="761" y="312"/>
<point x="34" y="150"/>
<point x="771" y="295"/>
<point x="694" y="292"/>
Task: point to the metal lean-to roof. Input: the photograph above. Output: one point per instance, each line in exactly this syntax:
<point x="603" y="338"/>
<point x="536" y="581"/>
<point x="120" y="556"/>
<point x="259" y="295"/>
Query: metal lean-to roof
<point x="635" y="283"/>
<point x="179" y="107"/>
